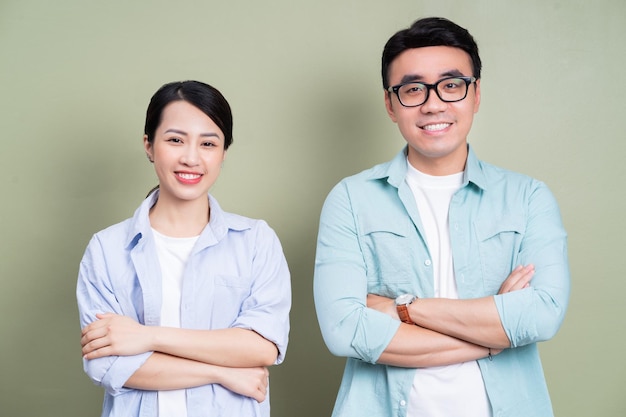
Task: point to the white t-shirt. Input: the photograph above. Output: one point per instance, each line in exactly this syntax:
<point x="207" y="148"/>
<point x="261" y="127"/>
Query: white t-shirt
<point x="173" y="254"/>
<point x="453" y="390"/>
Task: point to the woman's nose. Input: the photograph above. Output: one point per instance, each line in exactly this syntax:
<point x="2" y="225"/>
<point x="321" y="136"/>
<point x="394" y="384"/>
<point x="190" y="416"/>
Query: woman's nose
<point x="190" y="156"/>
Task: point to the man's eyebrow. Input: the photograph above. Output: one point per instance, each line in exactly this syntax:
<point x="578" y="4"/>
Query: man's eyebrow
<point x="408" y="78"/>
<point x="453" y="73"/>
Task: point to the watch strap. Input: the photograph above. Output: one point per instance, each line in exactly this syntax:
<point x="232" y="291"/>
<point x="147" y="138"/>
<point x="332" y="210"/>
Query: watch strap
<point x="403" y="313"/>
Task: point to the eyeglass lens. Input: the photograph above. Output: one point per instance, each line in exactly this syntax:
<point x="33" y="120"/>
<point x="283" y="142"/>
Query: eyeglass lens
<point x="448" y="89"/>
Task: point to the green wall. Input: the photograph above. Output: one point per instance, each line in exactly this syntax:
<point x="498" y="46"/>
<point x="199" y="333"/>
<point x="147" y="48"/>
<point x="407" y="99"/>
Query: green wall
<point x="303" y="81"/>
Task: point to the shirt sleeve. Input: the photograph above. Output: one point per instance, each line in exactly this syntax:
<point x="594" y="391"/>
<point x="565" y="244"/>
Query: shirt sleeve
<point x="536" y="313"/>
<point x="95" y="295"/>
<point x="348" y="327"/>
<point x="266" y="310"/>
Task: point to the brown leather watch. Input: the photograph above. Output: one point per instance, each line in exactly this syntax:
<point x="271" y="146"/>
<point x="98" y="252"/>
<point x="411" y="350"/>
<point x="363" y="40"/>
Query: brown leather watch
<point x="402" y="303"/>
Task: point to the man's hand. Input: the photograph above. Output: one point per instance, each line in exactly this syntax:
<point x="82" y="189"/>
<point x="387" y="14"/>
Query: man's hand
<point x="114" y="335"/>
<point x="518" y="279"/>
<point x="383" y="304"/>
<point x="249" y="382"/>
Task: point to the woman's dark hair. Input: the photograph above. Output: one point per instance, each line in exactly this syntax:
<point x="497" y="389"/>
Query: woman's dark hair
<point x="430" y="31"/>
<point x="203" y="96"/>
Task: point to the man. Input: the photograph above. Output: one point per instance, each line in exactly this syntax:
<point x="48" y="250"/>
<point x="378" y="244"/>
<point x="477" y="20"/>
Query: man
<point x="436" y="274"/>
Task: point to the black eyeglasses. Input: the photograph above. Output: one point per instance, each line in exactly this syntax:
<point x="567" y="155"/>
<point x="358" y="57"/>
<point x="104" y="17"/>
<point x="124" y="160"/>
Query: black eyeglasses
<point x="449" y="90"/>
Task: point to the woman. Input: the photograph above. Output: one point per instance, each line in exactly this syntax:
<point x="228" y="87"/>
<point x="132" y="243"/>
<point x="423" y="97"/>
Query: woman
<point x="183" y="306"/>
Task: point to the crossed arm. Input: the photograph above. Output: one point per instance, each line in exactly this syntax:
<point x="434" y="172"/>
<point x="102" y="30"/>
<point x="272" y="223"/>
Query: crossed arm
<point x="448" y="331"/>
<point x="234" y="358"/>
<point x="356" y="247"/>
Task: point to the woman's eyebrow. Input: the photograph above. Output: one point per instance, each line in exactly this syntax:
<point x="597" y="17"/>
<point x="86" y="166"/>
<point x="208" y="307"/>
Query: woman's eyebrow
<point x="177" y="131"/>
<point x="183" y="133"/>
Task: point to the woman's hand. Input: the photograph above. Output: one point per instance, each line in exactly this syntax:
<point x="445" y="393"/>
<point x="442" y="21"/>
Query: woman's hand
<point x="249" y="382"/>
<point x="114" y="335"/>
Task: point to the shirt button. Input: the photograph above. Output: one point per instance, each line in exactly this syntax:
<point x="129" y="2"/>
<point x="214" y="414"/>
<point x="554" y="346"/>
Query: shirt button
<point x="427" y="262"/>
<point x="402" y="403"/>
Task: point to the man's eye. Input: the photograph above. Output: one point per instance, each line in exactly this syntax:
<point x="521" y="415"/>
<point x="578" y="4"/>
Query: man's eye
<point x="414" y="89"/>
<point x="451" y="85"/>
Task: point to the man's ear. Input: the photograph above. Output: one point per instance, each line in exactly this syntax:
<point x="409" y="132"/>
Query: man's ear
<point x="389" y="106"/>
<point x="477" y="95"/>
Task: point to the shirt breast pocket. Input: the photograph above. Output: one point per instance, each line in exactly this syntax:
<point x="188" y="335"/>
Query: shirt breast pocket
<point x="230" y="293"/>
<point x="387" y="255"/>
<point x="499" y="242"/>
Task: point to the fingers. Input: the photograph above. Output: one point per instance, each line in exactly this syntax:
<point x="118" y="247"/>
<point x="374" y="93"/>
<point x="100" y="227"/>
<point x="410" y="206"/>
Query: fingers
<point x="250" y="382"/>
<point x="94" y="353"/>
<point x="259" y="382"/>
<point x="94" y="336"/>
<point x="261" y="393"/>
<point x="98" y="324"/>
<point x="101" y="320"/>
<point x="120" y="335"/>
<point x="93" y="342"/>
<point x="518" y="279"/>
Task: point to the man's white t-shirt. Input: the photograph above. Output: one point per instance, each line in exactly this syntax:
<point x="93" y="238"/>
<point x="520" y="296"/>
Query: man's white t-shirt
<point x="173" y="254"/>
<point x="453" y="390"/>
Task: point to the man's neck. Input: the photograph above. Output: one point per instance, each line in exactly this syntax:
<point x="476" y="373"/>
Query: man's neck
<point x="445" y="165"/>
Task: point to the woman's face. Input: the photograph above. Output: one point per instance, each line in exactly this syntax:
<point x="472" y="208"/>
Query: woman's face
<point x="187" y="151"/>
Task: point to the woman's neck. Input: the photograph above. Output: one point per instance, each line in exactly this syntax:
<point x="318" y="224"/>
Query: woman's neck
<point x="180" y="218"/>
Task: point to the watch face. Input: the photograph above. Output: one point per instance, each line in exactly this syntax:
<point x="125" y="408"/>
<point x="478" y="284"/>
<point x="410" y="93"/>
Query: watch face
<point x="404" y="299"/>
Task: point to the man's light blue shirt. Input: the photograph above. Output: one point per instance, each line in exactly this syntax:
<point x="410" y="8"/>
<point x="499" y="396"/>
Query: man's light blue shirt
<point x="236" y="276"/>
<point x="371" y="240"/>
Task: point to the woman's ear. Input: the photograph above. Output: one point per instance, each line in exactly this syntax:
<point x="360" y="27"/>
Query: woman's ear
<point x="148" y="148"/>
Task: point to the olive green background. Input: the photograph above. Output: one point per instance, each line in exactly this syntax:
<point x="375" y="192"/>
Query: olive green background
<point x="303" y="80"/>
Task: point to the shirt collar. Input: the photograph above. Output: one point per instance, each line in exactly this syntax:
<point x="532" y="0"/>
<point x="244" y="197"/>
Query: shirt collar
<point x="474" y="171"/>
<point x="395" y="170"/>
<point x="219" y="223"/>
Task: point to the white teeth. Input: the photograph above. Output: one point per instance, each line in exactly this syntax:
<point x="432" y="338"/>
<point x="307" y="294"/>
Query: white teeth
<point x="189" y="176"/>
<point x="438" y="126"/>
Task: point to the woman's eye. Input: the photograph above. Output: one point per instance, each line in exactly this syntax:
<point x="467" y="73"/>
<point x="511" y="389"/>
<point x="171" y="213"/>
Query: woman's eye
<point x="174" y="140"/>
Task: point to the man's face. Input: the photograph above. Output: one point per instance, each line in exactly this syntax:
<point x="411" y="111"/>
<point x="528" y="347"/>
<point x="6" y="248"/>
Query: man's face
<point x="436" y="131"/>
